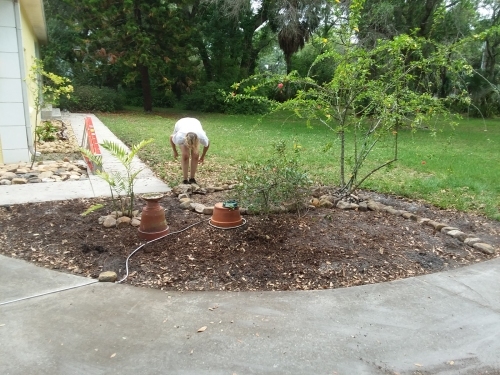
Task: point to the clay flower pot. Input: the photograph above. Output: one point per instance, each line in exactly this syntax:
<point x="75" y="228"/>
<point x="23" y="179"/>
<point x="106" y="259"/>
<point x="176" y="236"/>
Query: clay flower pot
<point x="225" y="217"/>
<point x="153" y="222"/>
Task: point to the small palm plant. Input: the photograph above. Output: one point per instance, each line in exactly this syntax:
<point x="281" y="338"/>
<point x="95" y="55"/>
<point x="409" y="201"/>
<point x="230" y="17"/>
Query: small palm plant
<point x="121" y="184"/>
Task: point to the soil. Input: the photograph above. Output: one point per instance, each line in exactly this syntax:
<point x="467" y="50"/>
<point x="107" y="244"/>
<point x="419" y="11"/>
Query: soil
<point x="318" y="249"/>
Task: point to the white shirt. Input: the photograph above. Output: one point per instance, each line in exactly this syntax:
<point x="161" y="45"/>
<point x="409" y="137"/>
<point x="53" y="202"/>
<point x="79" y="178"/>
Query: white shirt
<point x="189" y="125"/>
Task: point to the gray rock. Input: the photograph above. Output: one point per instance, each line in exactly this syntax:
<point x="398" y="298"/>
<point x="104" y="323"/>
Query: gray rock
<point x="135" y="222"/>
<point x="363" y="207"/>
<point x="374" y="206"/>
<point x="109" y="222"/>
<point x="484" y="247"/>
<point x="208" y="210"/>
<point x="186" y="205"/>
<point x="447" y="229"/>
<point x="5" y="182"/>
<point x="8" y="176"/>
<point x="325" y="203"/>
<point x="409" y="215"/>
<point x="457" y="234"/>
<point x="198" y="207"/>
<point x="343" y="205"/>
<point x="437" y="226"/>
<point x="471" y="241"/>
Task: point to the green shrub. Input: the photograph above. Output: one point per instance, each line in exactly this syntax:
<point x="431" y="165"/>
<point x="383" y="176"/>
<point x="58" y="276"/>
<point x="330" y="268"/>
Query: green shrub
<point x="212" y="98"/>
<point x="161" y="99"/>
<point x="246" y="106"/>
<point x="265" y="187"/>
<point x="46" y="132"/>
<point x="92" y="99"/>
<point x="206" y="98"/>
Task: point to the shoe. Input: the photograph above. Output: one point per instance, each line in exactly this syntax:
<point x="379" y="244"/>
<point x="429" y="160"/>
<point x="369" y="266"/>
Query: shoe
<point x="192" y="181"/>
<point x="185" y="182"/>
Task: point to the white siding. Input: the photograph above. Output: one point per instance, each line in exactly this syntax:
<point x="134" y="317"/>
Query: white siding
<point x="9" y="65"/>
<point x="11" y="114"/>
<point x="13" y="139"/>
<point x="7" y="13"/>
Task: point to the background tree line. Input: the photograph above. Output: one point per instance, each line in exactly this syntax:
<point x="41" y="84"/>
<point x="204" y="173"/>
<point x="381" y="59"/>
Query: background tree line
<point x="160" y="53"/>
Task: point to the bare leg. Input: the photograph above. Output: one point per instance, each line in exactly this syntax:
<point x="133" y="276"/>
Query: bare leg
<point x="185" y="161"/>
<point x="195" y="156"/>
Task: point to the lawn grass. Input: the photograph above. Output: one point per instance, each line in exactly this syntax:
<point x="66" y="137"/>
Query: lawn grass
<point x="457" y="168"/>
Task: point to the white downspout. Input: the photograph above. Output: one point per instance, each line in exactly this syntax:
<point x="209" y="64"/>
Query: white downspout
<point x="20" y="48"/>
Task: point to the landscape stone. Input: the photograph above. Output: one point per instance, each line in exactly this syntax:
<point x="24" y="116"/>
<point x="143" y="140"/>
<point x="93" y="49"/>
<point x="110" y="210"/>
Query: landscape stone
<point x="108" y="276"/>
<point x="409" y="215"/>
<point x="123" y="221"/>
<point x="325" y="203"/>
<point x="9" y="175"/>
<point x="186" y="205"/>
<point x="471" y="241"/>
<point x="457" y="234"/>
<point x="198" y="207"/>
<point x="208" y="210"/>
<point x="19" y="181"/>
<point x="363" y="207"/>
<point x="484" y="247"/>
<point x="343" y="205"/>
<point x="109" y="222"/>
<point x="447" y="229"/>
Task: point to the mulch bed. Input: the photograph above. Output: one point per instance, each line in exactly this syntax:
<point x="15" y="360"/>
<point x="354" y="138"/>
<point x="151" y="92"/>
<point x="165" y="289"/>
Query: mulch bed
<point x="318" y="249"/>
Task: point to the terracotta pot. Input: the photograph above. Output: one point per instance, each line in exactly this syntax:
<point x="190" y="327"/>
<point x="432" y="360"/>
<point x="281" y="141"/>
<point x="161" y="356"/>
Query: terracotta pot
<point x="225" y="217"/>
<point x="153" y="222"/>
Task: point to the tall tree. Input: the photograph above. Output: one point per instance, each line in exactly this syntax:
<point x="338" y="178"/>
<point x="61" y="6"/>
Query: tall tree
<point x="229" y="38"/>
<point x="143" y="38"/>
<point x="293" y="21"/>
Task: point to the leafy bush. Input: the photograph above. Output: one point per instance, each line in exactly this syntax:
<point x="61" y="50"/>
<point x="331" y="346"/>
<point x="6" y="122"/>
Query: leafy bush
<point x="91" y="98"/>
<point x="206" y="98"/>
<point x="246" y="106"/>
<point x="161" y="99"/>
<point x="121" y="183"/>
<point x="265" y="187"/>
<point x="46" y="132"/>
<point x="212" y="97"/>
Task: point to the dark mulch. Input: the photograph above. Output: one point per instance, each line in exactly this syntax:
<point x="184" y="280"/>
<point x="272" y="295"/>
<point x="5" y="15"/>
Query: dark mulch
<point x="319" y="249"/>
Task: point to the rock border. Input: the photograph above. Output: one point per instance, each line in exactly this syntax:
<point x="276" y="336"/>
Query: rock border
<point x="184" y="193"/>
<point x="43" y="171"/>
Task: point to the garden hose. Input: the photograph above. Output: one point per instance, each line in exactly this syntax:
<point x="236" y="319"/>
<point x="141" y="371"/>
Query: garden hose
<point x="168" y="234"/>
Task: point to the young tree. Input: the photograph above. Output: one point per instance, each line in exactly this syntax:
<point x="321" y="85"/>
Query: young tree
<point x="371" y="94"/>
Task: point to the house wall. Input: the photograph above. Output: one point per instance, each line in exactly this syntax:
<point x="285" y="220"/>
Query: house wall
<point x="14" y="65"/>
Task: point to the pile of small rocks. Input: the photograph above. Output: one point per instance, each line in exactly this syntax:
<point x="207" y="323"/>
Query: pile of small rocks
<point x="184" y="193"/>
<point x="116" y="219"/>
<point x="66" y="142"/>
<point x="43" y="171"/>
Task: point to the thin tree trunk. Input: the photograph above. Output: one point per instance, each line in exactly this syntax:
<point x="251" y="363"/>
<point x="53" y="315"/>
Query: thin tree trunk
<point x="146" y="89"/>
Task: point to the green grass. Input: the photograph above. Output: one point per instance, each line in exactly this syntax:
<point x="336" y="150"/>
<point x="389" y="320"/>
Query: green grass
<point x="457" y="169"/>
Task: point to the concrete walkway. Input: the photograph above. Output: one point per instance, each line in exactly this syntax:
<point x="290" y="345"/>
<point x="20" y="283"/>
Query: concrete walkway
<point x="94" y="186"/>
<point x="56" y="323"/>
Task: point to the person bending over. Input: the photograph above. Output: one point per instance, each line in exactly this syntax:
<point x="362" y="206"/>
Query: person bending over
<point x="188" y="134"/>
